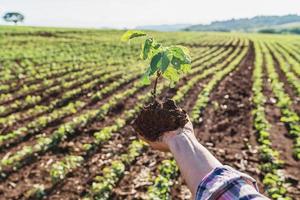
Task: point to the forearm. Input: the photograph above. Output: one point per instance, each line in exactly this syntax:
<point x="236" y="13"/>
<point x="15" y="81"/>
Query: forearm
<point x="194" y="160"/>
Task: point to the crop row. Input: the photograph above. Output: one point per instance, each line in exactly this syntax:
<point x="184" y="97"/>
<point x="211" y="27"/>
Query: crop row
<point x="284" y="102"/>
<point x="206" y="73"/>
<point x="292" y="58"/>
<point x="85" y="86"/>
<point x="68" y="52"/>
<point x="203" y="97"/>
<point x="271" y="165"/>
<point x="60" y="169"/>
<point x="288" y="66"/>
<point x="65" y="80"/>
<point x="39" y="123"/>
<point x="65" y="130"/>
<point x="46" y="84"/>
<point x="25" y="67"/>
<point x="8" y="121"/>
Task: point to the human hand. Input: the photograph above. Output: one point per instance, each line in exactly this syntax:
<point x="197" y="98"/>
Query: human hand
<point x="162" y="144"/>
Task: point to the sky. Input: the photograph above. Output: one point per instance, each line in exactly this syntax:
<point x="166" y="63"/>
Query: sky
<point x="132" y="13"/>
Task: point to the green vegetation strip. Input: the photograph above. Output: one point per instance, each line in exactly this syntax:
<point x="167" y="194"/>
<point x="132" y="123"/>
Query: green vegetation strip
<point x="284" y="102"/>
<point x="288" y="68"/>
<point x="39" y="123"/>
<point x="65" y="130"/>
<point x="271" y="166"/>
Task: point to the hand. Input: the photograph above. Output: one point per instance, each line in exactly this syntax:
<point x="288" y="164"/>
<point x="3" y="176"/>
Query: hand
<point x="163" y="141"/>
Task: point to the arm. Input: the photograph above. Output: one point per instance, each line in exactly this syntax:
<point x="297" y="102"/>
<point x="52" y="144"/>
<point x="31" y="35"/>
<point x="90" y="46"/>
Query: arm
<point x="202" y="171"/>
<point x="193" y="159"/>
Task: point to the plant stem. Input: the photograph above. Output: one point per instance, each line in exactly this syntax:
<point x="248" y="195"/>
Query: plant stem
<point x="158" y="74"/>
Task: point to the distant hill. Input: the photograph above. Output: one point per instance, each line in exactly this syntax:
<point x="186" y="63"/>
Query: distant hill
<point x="164" y="27"/>
<point x="289" y="28"/>
<point x="247" y="24"/>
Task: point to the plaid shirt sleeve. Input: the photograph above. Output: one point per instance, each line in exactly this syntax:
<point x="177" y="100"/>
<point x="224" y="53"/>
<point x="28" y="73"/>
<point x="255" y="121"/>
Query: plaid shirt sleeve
<point x="226" y="183"/>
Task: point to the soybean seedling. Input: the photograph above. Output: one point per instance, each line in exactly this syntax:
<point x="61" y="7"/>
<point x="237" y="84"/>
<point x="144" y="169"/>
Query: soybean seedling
<point x="166" y="61"/>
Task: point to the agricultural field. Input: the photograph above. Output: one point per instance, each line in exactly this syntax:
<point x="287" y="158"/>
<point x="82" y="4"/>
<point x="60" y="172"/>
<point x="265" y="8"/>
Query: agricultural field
<point x="68" y="98"/>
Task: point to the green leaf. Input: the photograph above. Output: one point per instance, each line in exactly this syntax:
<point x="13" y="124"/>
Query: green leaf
<point x="171" y="74"/>
<point x="181" y="53"/>
<point x="176" y="63"/>
<point x="165" y="61"/>
<point x="186" y="68"/>
<point x="145" y="78"/>
<point x="156" y="46"/>
<point x="132" y="34"/>
<point x="155" y="61"/>
<point x="146" y="48"/>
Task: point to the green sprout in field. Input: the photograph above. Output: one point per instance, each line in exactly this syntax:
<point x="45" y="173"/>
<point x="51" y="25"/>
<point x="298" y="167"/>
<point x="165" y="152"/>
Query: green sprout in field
<point x="166" y="61"/>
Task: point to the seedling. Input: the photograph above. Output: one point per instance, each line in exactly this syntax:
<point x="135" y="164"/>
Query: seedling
<point x="166" y="61"/>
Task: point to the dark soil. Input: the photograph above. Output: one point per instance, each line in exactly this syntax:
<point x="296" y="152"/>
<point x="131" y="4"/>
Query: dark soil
<point x="37" y="171"/>
<point x="159" y="117"/>
<point x="280" y="138"/>
<point x="226" y="128"/>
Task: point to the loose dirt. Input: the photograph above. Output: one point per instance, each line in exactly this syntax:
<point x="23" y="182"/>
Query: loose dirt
<point x="159" y="117"/>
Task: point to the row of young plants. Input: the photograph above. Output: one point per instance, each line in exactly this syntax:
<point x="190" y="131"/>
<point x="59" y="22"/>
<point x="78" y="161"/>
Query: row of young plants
<point x="66" y="96"/>
<point x="102" y="185"/>
<point x="61" y="169"/>
<point x="106" y="50"/>
<point x="70" y="94"/>
<point x="26" y="67"/>
<point x="292" y="58"/>
<point x="294" y="45"/>
<point x="40" y="123"/>
<point x="77" y="51"/>
<point x="206" y="41"/>
<point x="56" y="69"/>
<point x="168" y="169"/>
<point x="213" y="53"/>
<point x="46" y="84"/>
<point x="214" y="66"/>
<point x="63" y="73"/>
<point x="209" y="60"/>
<point x="292" y="51"/>
<point x="15" y="85"/>
<point x="203" y="97"/>
<point x="31" y="89"/>
<point x="288" y="116"/>
<point x="289" y="67"/>
<point x="161" y="187"/>
<point x="25" y="88"/>
<point x="84" y="86"/>
<point x="271" y="165"/>
<point x="43" y="143"/>
<point x="37" y="100"/>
